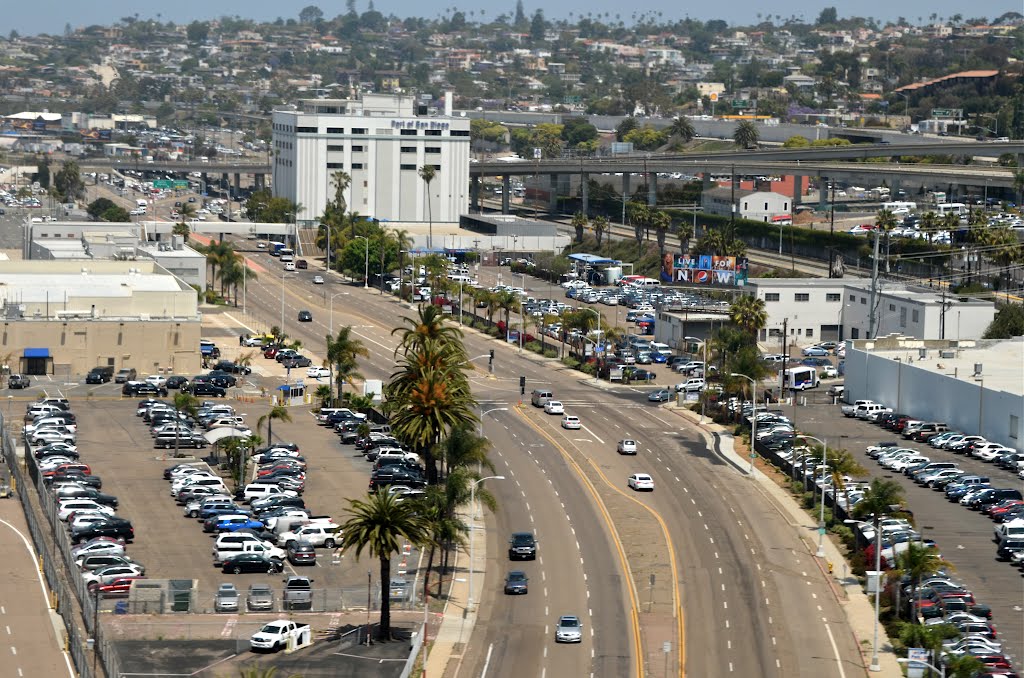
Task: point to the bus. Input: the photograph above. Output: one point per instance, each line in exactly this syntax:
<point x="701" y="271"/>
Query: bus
<point x="800" y="378"/>
<point x="945" y="208"/>
<point x="899" y="207"/>
<point x="275" y="248"/>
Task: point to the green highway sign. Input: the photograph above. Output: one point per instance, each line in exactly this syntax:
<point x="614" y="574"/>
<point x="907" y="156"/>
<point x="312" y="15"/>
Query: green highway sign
<point x="180" y="184"/>
<point x="741" y="103"/>
<point x="162" y="183"/>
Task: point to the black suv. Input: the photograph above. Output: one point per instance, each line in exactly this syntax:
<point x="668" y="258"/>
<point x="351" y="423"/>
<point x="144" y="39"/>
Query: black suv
<point x="522" y="546"/>
<point x="231" y="367"/>
<point x="204" y="388"/>
<point x="138" y="388"/>
<point x="99" y="375"/>
<point x="221" y="378"/>
<point x="118" y="528"/>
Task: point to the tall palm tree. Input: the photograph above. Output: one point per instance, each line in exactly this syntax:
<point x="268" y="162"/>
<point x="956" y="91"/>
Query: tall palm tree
<point x="919" y="562"/>
<point x="929" y="223"/>
<point x="746" y="135"/>
<point x="377" y="525"/>
<point x="508" y="302"/>
<point x="661" y="222"/>
<point x="685" y="232"/>
<point x="463" y="448"/>
<point x="278" y="412"/>
<point x="579" y="224"/>
<point x="682" y="127"/>
<point x="886" y="221"/>
<point x="639" y="216"/>
<point x="749" y="314"/>
<point x="600" y="228"/>
<point x="427" y="174"/>
<point x="185" y="212"/>
<point x="343" y="352"/>
<point x="429" y="327"/>
<point x="184" y="403"/>
<point x="882" y="498"/>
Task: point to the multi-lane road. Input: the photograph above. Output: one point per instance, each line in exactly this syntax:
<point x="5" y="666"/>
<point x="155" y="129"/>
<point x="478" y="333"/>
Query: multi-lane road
<point x="734" y="590"/>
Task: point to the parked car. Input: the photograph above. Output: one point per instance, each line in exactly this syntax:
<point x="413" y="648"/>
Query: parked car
<point x="226" y="599"/>
<point x="252" y="562"/>
<point x="18" y="381"/>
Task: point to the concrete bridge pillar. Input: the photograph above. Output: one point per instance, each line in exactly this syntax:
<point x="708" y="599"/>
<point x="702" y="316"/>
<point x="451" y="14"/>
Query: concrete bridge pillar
<point x="798" y="186"/>
<point x="506" y="191"/>
<point x="238" y="185"/>
<point x="552" y="193"/>
<point x="652" y="189"/>
<point x="474" y="195"/>
<point x="625" y="184"/>
<point x="585" y="192"/>
<point x="822" y="193"/>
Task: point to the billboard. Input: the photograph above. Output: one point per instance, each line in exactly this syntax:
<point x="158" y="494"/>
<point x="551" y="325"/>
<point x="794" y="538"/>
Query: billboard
<point x="704" y="269"/>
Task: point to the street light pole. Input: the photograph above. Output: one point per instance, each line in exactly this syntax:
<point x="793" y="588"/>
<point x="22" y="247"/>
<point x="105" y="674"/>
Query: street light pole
<point x="821" y="518"/>
<point x="472" y="535"/>
<point x="753" y="416"/>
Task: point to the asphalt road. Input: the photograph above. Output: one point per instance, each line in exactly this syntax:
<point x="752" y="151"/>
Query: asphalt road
<point x="764" y="567"/>
<point x="965" y="537"/>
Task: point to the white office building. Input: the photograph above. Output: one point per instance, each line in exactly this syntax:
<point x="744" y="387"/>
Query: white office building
<point x="821" y="309"/>
<point x="381" y="141"/>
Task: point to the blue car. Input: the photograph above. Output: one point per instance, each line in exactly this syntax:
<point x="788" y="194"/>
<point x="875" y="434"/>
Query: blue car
<point x="658" y="357"/>
<point x="236" y="524"/>
<point x="212" y="512"/>
<point x="815" y="351"/>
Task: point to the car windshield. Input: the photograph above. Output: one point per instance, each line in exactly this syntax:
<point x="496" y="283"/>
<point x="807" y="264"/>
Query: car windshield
<point x="271" y="628"/>
<point x="521" y="539"/>
<point x="569" y="623"/>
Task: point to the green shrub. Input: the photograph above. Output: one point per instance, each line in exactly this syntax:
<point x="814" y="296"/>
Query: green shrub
<point x="571" y="363"/>
<point x="550" y="353"/>
<point x="533" y="346"/>
<point x="588" y="368"/>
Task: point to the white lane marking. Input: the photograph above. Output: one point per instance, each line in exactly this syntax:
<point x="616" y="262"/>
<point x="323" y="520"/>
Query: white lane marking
<point x="487" y="662"/>
<point x="543" y="576"/>
<point x="705" y="526"/>
<point x="687" y="491"/>
<point x="725" y="605"/>
<point x="773" y="640"/>
<point x="545" y="651"/>
<point x="730" y="667"/>
<point x="661" y="420"/>
<point x="726" y="623"/>
<point x="835" y="649"/>
<point x="593" y="434"/>
<point x="814" y="595"/>
<point x="527" y="506"/>
<point x="700" y="514"/>
<point x="14" y="650"/>
<point x="716" y="555"/>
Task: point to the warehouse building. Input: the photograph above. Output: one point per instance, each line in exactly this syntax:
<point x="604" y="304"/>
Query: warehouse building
<point x="65" y="317"/>
<point x="381" y="141"/>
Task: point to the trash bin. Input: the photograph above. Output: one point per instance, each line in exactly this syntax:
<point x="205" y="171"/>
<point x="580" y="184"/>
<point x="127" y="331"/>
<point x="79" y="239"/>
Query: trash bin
<point x="181" y="594"/>
<point x="121" y="607"/>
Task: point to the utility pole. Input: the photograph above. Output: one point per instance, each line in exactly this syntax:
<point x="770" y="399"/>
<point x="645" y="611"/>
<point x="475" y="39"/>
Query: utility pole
<point x="874" y="289"/>
<point x="732" y="203"/>
<point x="785" y="357"/>
<point x="832" y="230"/>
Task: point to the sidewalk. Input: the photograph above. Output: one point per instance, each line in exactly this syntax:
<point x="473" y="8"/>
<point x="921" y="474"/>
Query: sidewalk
<point x="855" y="602"/>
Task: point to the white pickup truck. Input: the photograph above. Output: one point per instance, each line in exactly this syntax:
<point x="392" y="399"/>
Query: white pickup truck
<point x="275" y="635"/>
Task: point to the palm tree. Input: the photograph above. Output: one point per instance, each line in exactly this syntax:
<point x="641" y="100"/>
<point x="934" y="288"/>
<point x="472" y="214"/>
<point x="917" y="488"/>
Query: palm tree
<point x="404" y="243"/>
<point x="928" y="637"/>
<point x="463" y="448"/>
<point x="378" y="524"/>
<point x="685" y="232"/>
<point x="661" y="222"/>
<point x="323" y="393"/>
<point x="279" y="412"/>
<point x="883" y="498"/>
<point x="749" y="314"/>
<point x="929" y="223"/>
<point x="343" y="352"/>
<point x="427" y="174"/>
<point x="183" y="403"/>
<point x="746" y="135"/>
<point x="600" y="228"/>
<point x="427" y="328"/>
<point x="185" y="212"/>
<point x="579" y="223"/>
<point x="639" y="215"/>
<point x="682" y="127"/>
<point x="963" y="666"/>
<point x="885" y="222"/>
<point x="508" y="302"/>
<point x="920" y="562"/>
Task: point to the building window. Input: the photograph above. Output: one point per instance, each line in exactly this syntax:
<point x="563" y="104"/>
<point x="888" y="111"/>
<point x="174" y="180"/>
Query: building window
<point x="432" y="149"/>
<point x="335" y="130"/>
<point x="459" y="133"/>
<point x="892" y="307"/>
<point x="408" y="132"/>
<point x="358" y="130"/>
<point x="358" y="149"/>
<point x="408" y="149"/>
<point x="408" y="167"/>
<point x="903" y="316"/>
<point x="437" y="168"/>
<point x="853" y="297"/>
<point x="336" y="165"/>
<point x="915" y="316"/>
<point x="1014" y="426"/>
<point x="771" y="296"/>
<point x="809" y="332"/>
<point x="863" y="301"/>
<point x="357" y="165"/>
<point x="854" y="333"/>
<point x="802" y="296"/>
<point x="306" y="130"/>
<point x="335" y="147"/>
<point x="833" y="297"/>
<point x="433" y="132"/>
<point x="382" y="131"/>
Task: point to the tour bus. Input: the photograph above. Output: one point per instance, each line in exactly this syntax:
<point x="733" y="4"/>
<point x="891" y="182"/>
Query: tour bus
<point x="287" y="254"/>
<point x="275" y="248"/>
<point x="899" y="207"/>
<point x="944" y="208"/>
<point x="800" y="378"/>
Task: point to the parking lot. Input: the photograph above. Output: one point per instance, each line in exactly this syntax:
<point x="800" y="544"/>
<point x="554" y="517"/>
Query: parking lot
<point x="118" y="447"/>
<point x="964" y="537"/>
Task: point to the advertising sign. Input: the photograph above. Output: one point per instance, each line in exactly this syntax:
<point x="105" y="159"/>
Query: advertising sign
<point x="917" y="664"/>
<point x="704" y="269"/>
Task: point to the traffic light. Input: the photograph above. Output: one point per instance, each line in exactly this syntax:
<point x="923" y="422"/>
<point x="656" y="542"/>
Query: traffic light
<point x="522" y="385"/>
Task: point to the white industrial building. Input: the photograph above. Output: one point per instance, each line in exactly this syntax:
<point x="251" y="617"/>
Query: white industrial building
<point x="972" y="386"/>
<point x="381" y="141"/>
<point x="821" y="309"/>
<point x="753" y="205"/>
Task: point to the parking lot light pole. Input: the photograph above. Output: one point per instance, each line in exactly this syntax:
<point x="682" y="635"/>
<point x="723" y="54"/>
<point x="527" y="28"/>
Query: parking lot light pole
<point x="753" y="416"/>
<point x="875" y="664"/>
<point x="821" y="518"/>
<point x="472" y="536"/>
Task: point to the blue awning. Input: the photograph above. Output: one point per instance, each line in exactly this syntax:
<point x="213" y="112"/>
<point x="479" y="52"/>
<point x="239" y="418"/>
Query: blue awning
<point x="37" y="353"/>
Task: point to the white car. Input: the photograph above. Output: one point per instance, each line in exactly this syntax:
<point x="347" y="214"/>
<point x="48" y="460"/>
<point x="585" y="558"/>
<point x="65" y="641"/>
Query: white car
<point x="105" y="575"/>
<point x="641" y="481"/>
<point x="318" y="280"/>
<point x="156" y="380"/>
<point x="554" y="407"/>
<point x="829" y="372"/>
<point x="252" y="341"/>
<point x="66" y="508"/>
<point x="97" y="548"/>
<point x="318" y="372"/>
<point x="626" y="447"/>
<point x="571" y="422"/>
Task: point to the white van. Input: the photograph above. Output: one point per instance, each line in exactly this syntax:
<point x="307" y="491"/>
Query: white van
<point x="141" y="203"/>
<point x="646" y="283"/>
<point x="254" y="491"/>
<point x="864" y="411"/>
<point x="663" y="349"/>
<point x="1011" y="530"/>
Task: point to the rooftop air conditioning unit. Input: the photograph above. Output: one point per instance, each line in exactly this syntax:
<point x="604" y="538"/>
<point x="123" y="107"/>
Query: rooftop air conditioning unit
<point x="977" y="369"/>
<point x="947" y="355"/>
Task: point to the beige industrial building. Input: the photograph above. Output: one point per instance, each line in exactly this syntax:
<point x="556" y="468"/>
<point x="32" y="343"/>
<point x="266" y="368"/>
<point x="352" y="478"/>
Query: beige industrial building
<point x="65" y="317"/>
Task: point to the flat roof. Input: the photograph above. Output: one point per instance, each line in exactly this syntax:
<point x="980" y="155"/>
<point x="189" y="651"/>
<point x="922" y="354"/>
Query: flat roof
<point x="1001" y="360"/>
<point x="54" y="286"/>
<point x="592" y="259"/>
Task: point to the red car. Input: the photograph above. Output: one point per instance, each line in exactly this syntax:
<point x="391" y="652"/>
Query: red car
<point x="69" y="468"/>
<point x="270" y="352"/>
<point x="117" y="588"/>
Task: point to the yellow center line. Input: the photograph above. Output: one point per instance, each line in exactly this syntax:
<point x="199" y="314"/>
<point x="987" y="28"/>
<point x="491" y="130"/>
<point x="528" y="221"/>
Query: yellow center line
<point x="631" y="588"/>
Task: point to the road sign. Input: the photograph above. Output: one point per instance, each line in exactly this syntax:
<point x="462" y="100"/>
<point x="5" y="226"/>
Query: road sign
<point x="163" y="183"/>
<point x="740" y="103"/>
<point x="916" y="666"/>
<point x="713" y="97"/>
<point x="536" y="154"/>
<point x="954" y="113"/>
<point x="180" y="184"/>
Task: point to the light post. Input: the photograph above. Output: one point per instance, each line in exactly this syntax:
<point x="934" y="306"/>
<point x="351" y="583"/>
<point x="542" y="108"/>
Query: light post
<point x="330" y="363"/>
<point x="753" y="416"/>
<point x="906" y="108"/>
<point x="821" y="516"/>
<point x="282" y="299"/>
<point x="522" y="314"/>
<point x="995" y="132"/>
<point x="366" y="262"/>
<point x="472" y="535"/>
<point x="876" y="666"/>
<point x="600" y="338"/>
<point x="941" y="670"/>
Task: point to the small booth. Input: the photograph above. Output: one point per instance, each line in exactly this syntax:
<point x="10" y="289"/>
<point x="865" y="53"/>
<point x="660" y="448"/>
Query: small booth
<point x="290" y="395"/>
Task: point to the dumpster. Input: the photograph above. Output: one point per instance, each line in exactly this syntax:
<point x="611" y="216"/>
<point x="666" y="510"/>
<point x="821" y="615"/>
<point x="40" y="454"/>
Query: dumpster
<point x="181" y="594"/>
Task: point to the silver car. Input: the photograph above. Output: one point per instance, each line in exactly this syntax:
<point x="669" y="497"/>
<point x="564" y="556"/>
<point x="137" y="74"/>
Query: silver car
<point x="569" y="629"/>
<point x="226" y="599"/>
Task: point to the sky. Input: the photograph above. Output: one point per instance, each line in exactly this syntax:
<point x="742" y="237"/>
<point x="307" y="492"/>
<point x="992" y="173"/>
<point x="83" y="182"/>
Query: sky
<point x="50" y="16"/>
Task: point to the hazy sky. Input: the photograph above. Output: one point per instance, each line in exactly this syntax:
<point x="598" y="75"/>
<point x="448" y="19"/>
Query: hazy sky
<point x="50" y="16"/>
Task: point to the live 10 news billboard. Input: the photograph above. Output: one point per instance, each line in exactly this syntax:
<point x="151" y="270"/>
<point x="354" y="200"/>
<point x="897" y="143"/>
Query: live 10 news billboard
<point x="704" y="269"/>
